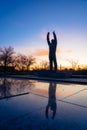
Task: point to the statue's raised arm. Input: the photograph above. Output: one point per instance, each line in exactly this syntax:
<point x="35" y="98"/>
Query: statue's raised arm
<point x="48" y="41"/>
<point x="55" y="38"/>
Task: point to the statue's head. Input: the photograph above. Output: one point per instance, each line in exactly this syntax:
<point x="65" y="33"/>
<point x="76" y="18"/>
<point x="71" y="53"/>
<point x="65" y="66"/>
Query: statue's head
<point x="52" y="41"/>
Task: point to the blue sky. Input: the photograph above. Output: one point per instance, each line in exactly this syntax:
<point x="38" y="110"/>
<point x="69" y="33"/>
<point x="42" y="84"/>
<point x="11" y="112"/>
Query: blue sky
<point x="24" y="24"/>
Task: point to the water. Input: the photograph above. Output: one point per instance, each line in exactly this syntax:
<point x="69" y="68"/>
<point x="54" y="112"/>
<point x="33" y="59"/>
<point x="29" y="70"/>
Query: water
<point x="34" y="105"/>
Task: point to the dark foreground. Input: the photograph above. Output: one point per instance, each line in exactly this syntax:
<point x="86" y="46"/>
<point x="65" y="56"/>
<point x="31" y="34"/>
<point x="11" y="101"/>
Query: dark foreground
<point x="23" y="105"/>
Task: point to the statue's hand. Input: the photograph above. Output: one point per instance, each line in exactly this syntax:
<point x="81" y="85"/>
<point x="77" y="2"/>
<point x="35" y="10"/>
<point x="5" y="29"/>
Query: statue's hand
<point x="53" y="32"/>
<point x="48" y="33"/>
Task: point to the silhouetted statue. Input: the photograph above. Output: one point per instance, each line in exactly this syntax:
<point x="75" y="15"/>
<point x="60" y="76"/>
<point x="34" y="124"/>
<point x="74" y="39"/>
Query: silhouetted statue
<point x="51" y="101"/>
<point x="52" y="51"/>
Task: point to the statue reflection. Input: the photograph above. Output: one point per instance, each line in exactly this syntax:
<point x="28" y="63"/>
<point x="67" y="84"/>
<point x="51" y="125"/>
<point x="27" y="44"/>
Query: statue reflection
<point x="51" y="106"/>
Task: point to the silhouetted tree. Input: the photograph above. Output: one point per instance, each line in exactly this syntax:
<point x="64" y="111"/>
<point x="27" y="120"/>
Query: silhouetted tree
<point x="19" y="62"/>
<point x="22" y="62"/>
<point x="44" y="65"/>
<point x="29" y="60"/>
<point x="74" y="64"/>
<point x="14" y="61"/>
<point x="6" y="56"/>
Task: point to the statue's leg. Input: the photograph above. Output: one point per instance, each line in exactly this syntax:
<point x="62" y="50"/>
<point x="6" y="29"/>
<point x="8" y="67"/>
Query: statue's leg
<point x="51" y="64"/>
<point x="55" y="64"/>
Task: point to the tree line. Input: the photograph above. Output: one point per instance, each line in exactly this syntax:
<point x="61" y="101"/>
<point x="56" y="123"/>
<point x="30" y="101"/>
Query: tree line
<point x="19" y="62"/>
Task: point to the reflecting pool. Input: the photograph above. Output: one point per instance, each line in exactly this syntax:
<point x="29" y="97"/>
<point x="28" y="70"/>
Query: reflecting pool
<point x="36" y="105"/>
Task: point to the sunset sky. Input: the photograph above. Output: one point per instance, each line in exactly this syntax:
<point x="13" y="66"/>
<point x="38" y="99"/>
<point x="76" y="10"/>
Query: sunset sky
<point x="25" y="23"/>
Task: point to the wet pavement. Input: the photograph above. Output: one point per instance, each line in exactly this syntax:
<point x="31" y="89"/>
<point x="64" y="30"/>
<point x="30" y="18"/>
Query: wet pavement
<point x="35" y="105"/>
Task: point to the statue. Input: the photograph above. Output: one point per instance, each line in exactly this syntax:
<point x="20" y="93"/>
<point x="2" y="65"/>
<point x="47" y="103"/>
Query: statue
<point x="52" y="51"/>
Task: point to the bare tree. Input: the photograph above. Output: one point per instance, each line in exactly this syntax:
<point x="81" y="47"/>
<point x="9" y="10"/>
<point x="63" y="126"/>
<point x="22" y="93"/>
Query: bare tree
<point x="29" y="60"/>
<point x="44" y="65"/>
<point x="16" y="62"/>
<point x="22" y="62"/>
<point x="74" y="64"/>
<point x="19" y="62"/>
<point x="6" y="56"/>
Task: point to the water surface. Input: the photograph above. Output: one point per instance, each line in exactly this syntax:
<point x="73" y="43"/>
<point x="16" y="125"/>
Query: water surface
<point x="30" y="104"/>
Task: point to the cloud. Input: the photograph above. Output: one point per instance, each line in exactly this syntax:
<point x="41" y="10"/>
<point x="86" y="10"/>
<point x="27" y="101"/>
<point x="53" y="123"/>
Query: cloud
<point x="59" y="51"/>
<point x="68" y="51"/>
<point x="41" y="52"/>
<point x="64" y="51"/>
<point x="45" y="52"/>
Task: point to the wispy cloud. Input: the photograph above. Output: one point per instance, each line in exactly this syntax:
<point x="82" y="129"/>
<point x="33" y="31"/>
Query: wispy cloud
<point x="41" y="52"/>
<point x="64" y="51"/>
<point x="68" y="51"/>
<point x="45" y="52"/>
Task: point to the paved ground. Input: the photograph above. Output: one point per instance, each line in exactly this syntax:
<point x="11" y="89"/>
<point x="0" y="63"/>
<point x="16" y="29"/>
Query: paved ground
<point x="67" y="80"/>
<point x="29" y="105"/>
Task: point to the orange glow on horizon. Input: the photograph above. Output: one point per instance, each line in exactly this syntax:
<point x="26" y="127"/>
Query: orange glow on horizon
<point x="45" y="52"/>
<point x="63" y="57"/>
<point x="41" y="52"/>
